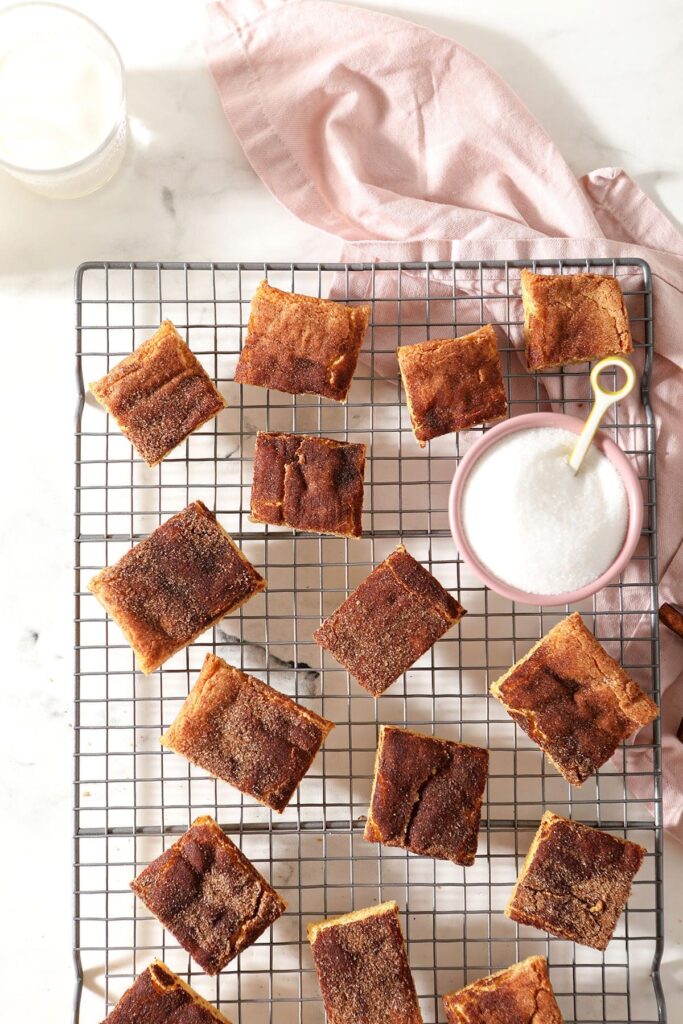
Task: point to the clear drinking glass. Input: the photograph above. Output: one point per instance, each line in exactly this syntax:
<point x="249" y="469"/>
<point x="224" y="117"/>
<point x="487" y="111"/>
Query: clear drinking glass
<point x="62" y="100"/>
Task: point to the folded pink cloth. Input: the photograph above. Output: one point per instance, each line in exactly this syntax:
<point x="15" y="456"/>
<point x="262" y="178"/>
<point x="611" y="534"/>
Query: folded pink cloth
<point x="408" y="147"/>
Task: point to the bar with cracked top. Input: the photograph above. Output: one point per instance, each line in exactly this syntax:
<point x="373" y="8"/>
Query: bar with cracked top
<point x="573" y="699"/>
<point x="308" y="483"/>
<point x="426" y="795"/>
<point x="575" y="881"/>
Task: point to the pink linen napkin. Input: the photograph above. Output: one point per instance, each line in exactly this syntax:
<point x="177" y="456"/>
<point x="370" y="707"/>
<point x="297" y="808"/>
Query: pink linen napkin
<point x="409" y="147"/>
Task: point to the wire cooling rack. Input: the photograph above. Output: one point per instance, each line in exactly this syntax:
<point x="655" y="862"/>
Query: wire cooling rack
<point x="132" y="799"/>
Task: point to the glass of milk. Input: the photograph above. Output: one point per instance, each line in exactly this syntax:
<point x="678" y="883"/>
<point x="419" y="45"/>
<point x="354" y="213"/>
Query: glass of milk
<point x="62" y="100"/>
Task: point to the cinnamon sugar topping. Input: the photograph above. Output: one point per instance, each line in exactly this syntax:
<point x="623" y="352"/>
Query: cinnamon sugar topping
<point x="521" y="994"/>
<point x="172" y="586"/>
<point x="575" y="881"/>
<point x="363" y="969"/>
<point x="389" y="621"/>
<point x="159" y="996"/>
<point x="208" y="895"/>
<point x="427" y="794"/>
<point x="300" y="344"/>
<point x="452" y="383"/>
<point x="159" y="394"/>
<point x="308" y="483"/>
<point x="246" y="733"/>
<point x="575" y="701"/>
<point x="572" y="318"/>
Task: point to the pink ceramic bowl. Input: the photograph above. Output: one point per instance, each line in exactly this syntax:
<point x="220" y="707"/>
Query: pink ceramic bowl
<point x="614" y="454"/>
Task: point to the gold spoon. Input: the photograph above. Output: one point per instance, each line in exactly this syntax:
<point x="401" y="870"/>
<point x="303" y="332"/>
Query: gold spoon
<point x="602" y="400"/>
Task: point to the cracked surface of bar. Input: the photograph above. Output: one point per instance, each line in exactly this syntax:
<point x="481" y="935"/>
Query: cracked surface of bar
<point x="575" y="881"/>
<point x="158" y="996"/>
<point x="426" y="795"/>
<point x="159" y="394"/>
<point x="521" y="994"/>
<point x="308" y="483"/>
<point x="363" y="969"/>
<point x="209" y="895"/>
<point x="389" y="621"/>
<point x="246" y="733"/>
<point x="573" y="699"/>
<point x="300" y="344"/>
<point x="573" y="318"/>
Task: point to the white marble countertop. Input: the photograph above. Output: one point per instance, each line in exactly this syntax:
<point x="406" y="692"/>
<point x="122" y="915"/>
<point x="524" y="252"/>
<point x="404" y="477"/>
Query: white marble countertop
<point x="605" y="81"/>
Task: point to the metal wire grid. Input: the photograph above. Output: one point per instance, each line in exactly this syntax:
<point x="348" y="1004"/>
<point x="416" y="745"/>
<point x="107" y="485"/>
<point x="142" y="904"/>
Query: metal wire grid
<point x="132" y="799"/>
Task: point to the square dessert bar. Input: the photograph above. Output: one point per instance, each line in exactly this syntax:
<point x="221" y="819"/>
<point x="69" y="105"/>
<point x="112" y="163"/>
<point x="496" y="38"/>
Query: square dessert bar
<point x="159" y="394"/>
<point x="389" y="621"/>
<point x="572" y="699"/>
<point x="308" y="483"/>
<point x="244" y="732"/>
<point x="208" y="895"/>
<point x="175" y="584"/>
<point x="575" y="881"/>
<point x="159" y="996"/>
<point x="453" y="383"/>
<point x="301" y="345"/>
<point x="426" y="795"/>
<point x="363" y="969"/>
<point x="573" y="318"/>
<point x="521" y="994"/>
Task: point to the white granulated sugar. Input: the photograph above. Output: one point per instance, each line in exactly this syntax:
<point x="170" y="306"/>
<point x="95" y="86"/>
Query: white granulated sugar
<point x="536" y="525"/>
